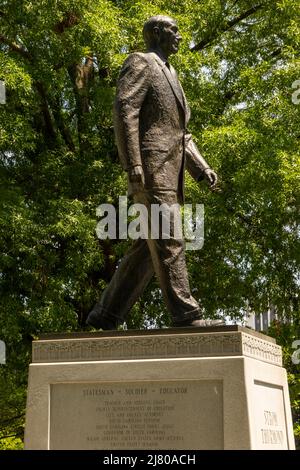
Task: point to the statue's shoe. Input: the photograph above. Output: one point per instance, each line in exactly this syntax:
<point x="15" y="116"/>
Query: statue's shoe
<point x="199" y="322"/>
<point x="99" y="322"/>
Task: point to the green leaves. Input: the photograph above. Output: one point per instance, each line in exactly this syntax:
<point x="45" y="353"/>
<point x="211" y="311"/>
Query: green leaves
<point x="60" y="60"/>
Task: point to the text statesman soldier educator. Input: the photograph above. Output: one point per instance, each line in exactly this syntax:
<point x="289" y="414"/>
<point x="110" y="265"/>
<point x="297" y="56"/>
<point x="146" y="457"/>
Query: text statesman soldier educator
<point x="151" y="116"/>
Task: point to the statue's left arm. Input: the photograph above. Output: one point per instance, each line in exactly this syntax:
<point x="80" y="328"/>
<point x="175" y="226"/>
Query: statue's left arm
<point x="196" y="164"/>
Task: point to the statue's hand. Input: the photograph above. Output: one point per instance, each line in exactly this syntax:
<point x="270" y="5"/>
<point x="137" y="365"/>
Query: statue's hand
<point x="211" y="177"/>
<point x="136" y="178"/>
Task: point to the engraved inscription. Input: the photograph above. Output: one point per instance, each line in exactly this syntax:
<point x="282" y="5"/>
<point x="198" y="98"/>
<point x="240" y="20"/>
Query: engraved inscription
<point x="270" y="422"/>
<point x="151" y="415"/>
<point x="270" y="418"/>
<point x="271" y="435"/>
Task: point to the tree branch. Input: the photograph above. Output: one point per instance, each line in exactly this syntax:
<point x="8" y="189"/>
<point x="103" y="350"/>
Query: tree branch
<point x="243" y="16"/>
<point x="70" y="19"/>
<point x="14" y="418"/>
<point x="9" y="435"/>
<point x="50" y="131"/>
<point x="228" y="25"/>
<point x="276" y="53"/>
<point x="60" y="122"/>
<point x="81" y="76"/>
<point x="15" y="47"/>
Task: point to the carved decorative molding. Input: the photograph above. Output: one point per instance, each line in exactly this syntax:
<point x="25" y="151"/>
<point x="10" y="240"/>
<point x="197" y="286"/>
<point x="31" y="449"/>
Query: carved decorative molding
<point x="262" y="350"/>
<point x="155" y="347"/>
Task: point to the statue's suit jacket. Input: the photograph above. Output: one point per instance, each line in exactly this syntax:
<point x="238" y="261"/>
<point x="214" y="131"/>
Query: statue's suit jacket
<point x="151" y="115"/>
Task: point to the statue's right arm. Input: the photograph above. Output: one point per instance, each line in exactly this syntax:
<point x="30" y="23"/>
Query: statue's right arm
<point x="131" y="91"/>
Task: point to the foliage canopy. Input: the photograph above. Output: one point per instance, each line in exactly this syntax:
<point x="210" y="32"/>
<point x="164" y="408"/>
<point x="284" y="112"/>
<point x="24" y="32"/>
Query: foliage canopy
<point x="60" y="60"/>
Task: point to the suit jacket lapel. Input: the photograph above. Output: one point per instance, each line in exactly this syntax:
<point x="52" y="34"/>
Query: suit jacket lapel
<point x="174" y="83"/>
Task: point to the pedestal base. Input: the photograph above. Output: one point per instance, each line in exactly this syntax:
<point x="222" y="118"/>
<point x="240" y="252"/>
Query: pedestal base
<point x="190" y="389"/>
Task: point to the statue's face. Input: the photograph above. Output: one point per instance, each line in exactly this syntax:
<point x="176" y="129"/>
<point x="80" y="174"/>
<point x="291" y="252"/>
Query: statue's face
<point x="169" y="38"/>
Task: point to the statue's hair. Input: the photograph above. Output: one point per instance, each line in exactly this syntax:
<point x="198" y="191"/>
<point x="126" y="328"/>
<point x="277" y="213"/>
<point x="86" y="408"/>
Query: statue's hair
<point x="154" y="22"/>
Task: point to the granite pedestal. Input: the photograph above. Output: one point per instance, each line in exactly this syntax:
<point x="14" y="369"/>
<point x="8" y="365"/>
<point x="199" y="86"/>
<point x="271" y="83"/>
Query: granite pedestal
<point x="192" y="388"/>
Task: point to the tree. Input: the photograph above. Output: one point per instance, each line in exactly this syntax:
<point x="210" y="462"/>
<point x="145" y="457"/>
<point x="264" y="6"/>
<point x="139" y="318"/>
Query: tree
<point x="60" y="60"/>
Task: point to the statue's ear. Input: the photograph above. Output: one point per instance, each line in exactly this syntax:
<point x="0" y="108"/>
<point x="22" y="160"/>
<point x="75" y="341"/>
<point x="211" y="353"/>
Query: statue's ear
<point x="156" y="32"/>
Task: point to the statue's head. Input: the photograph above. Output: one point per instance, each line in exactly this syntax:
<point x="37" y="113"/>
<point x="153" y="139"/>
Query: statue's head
<point x="162" y="32"/>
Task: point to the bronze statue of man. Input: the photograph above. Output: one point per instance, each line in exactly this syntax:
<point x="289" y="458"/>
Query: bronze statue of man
<point x="151" y="116"/>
